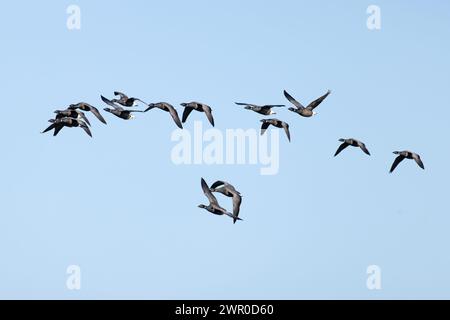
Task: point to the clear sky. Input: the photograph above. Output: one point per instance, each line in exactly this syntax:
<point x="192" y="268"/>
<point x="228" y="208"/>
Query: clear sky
<point x="118" y="207"/>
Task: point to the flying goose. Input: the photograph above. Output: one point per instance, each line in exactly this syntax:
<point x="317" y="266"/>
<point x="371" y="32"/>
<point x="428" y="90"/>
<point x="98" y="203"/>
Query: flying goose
<point x="351" y="142"/>
<point x="200" y="107"/>
<point x="68" y="113"/>
<point x="265" y="110"/>
<point x="276" y="123"/>
<point x="402" y="155"/>
<point x="228" y="190"/>
<point x="214" y="206"/>
<point x="168" y="108"/>
<point x="118" y="111"/>
<point x="87" y="107"/>
<point x="58" y="124"/>
<point x="305" y="111"/>
<point x="125" y="101"/>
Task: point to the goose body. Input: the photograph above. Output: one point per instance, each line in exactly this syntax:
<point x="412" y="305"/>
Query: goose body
<point x="307" y="111"/>
<point x="276" y="123"/>
<point x="402" y="155"/>
<point x="265" y="110"/>
<point x="197" y="106"/>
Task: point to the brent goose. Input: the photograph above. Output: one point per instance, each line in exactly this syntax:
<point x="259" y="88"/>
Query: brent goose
<point x="351" y="142"/>
<point x="118" y="111"/>
<point x="197" y="106"/>
<point x="305" y="111"/>
<point x="276" y="123"/>
<point x="87" y="107"/>
<point x="402" y="155"/>
<point x="228" y="190"/>
<point x="265" y="110"/>
<point x="58" y="124"/>
<point x="168" y="108"/>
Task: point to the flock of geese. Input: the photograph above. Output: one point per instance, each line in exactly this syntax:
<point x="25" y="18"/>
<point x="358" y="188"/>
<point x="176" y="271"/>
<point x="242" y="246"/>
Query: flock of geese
<point x="74" y="117"/>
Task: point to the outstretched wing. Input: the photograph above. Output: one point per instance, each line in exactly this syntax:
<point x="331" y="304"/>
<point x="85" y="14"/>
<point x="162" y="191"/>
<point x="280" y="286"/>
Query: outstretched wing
<point x="264" y="127"/>
<point x="121" y="95"/>
<point x="84" y="126"/>
<point x="52" y="126"/>
<point x="246" y="104"/>
<point x="341" y="147"/>
<point x="212" y="199"/>
<point x="293" y="101"/>
<point x="175" y="116"/>
<point x="112" y="104"/>
<point x="217" y="184"/>
<point x="209" y="115"/>
<point x="286" y="129"/>
<point x="363" y="148"/>
<point x="419" y="161"/>
<point x="396" y="163"/>
<point x="187" y="111"/>
<point x="237" y="199"/>
<point x="318" y="101"/>
<point x="83" y="116"/>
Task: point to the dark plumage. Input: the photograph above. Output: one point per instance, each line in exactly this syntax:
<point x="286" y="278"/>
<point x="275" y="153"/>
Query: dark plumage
<point x="402" y="155"/>
<point x="228" y="190"/>
<point x="58" y="124"/>
<point x="118" y="111"/>
<point x="265" y="110"/>
<point x="168" y="108"/>
<point x="214" y="206"/>
<point x="276" y="123"/>
<point x="125" y="101"/>
<point x="88" y="108"/>
<point x="197" y="106"/>
<point x="69" y="113"/>
<point x="305" y="111"/>
<point x="351" y="142"/>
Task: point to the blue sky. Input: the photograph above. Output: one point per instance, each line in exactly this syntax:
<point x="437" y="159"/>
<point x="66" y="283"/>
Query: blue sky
<point x="120" y="209"/>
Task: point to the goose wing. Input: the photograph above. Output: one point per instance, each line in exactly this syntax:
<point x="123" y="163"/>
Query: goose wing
<point x="175" y="116"/>
<point x="83" y="116"/>
<point x="318" y="101"/>
<point x="293" y="101"/>
<point x="286" y="129"/>
<point x="212" y="199"/>
<point x="363" y="148"/>
<point x="416" y="158"/>
<point x="187" y="111"/>
<point x="207" y="110"/>
<point x="86" y="129"/>
<point x="396" y="163"/>
<point x="237" y="199"/>
<point x="341" y="147"/>
<point x="264" y="127"/>
<point x="121" y="95"/>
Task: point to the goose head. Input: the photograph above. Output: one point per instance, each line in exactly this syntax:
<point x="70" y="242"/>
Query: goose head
<point x="202" y="206"/>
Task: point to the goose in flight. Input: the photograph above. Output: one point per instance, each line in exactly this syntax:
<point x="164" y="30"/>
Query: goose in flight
<point x="402" y="155"/>
<point x="168" y="108"/>
<point x="228" y="190"/>
<point x="58" y="124"/>
<point x="88" y="108"/>
<point x="214" y="206"/>
<point x="265" y="110"/>
<point x="276" y="123"/>
<point x="351" y="142"/>
<point x="197" y="106"/>
<point x="125" y="101"/>
<point x="305" y="111"/>
<point x="118" y="111"/>
<point x="75" y="114"/>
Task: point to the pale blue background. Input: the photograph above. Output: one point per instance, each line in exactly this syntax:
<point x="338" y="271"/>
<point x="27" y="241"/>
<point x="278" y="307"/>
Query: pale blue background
<point x="118" y="207"/>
